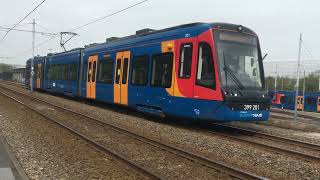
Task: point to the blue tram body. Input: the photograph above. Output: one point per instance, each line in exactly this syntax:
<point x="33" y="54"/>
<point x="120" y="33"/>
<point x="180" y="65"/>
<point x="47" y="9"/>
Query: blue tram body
<point x="38" y="72"/>
<point x="62" y="72"/>
<point x="312" y="102"/>
<point x="286" y="100"/>
<point x="185" y="71"/>
<point x="283" y="99"/>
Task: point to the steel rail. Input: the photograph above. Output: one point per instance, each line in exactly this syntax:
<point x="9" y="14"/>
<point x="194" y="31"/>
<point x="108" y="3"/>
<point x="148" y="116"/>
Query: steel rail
<point x="268" y="147"/>
<point x="142" y="170"/>
<point x="291" y="113"/>
<point x="302" y="144"/>
<point x="232" y="171"/>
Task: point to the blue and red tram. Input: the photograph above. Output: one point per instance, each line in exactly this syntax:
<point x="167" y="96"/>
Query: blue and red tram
<point x="203" y="71"/>
<point x="306" y="102"/>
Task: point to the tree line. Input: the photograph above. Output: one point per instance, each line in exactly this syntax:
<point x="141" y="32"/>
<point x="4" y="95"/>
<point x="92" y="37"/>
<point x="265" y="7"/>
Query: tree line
<point x="5" y="67"/>
<point x="289" y="84"/>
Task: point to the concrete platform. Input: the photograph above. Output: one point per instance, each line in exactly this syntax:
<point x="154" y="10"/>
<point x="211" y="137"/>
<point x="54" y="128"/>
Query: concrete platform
<point x="9" y="166"/>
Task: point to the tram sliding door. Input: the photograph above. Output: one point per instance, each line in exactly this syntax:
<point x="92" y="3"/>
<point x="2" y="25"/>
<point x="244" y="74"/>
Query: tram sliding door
<point x="121" y="78"/>
<point x="91" y="76"/>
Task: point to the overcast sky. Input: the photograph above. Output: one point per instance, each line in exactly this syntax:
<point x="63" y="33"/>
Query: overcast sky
<point x="277" y="22"/>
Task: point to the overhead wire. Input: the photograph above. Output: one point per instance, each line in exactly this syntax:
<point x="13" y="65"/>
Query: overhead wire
<point x="43" y="27"/>
<point x="108" y="15"/>
<point x="25" y="17"/>
<point x="305" y="47"/>
<point x="87" y="24"/>
<point x="23" y="30"/>
<point x="20" y="25"/>
<point x="38" y="45"/>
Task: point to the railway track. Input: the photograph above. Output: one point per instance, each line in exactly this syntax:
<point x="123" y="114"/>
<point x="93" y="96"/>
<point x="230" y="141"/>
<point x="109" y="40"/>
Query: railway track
<point x="228" y="130"/>
<point x="251" y="133"/>
<point x="280" y="111"/>
<point x="14" y="84"/>
<point x="231" y="171"/>
<point x="143" y="171"/>
<point x="301" y="121"/>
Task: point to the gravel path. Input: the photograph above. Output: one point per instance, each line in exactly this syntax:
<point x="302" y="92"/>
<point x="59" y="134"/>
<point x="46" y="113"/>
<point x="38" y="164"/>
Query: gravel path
<point x="261" y="162"/>
<point x="46" y="151"/>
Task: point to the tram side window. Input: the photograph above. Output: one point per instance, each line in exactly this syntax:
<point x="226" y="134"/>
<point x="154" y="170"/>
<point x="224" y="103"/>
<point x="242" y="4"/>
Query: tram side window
<point x="66" y="70"/>
<point x="85" y="68"/>
<point x="94" y="67"/>
<point x="118" y="71"/>
<point x="162" y="70"/>
<point x="35" y="71"/>
<point x="39" y="73"/>
<point x="47" y="72"/>
<point x="291" y="100"/>
<point x="50" y="73"/>
<point x="60" y="72"/>
<point x="274" y="98"/>
<point x="53" y="71"/>
<point x="185" y="61"/>
<point x="140" y="70"/>
<point x="89" y="71"/>
<point x="205" y="67"/>
<point x="56" y="73"/>
<point x="125" y="71"/>
<point x="310" y="100"/>
<point x="73" y="71"/>
<point x="283" y="99"/>
<point x="300" y="100"/>
<point x="106" y="70"/>
<point x="70" y="72"/>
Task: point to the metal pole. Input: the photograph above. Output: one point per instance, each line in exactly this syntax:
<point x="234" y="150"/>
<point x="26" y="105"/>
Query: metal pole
<point x="282" y="83"/>
<point x="276" y="79"/>
<point x="319" y="81"/>
<point x="297" y="84"/>
<point x="304" y="89"/>
<point x="33" y="42"/>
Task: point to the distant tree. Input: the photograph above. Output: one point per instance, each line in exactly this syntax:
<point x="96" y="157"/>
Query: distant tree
<point x="5" y="67"/>
<point x="289" y="84"/>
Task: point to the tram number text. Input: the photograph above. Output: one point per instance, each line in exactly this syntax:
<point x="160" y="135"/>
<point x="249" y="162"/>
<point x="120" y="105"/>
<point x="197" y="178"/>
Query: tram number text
<point x="251" y="107"/>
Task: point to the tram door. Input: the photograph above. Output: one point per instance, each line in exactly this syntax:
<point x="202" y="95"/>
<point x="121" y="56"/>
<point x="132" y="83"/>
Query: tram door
<point x="185" y="66"/>
<point x="39" y="74"/>
<point x="300" y="103"/>
<point x="120" y="93"/>
<point x="318" y="104"/>
<point x="91" y="76"/>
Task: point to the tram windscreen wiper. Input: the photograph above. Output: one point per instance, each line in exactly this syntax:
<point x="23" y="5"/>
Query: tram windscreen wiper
<point x="232" y="75"/>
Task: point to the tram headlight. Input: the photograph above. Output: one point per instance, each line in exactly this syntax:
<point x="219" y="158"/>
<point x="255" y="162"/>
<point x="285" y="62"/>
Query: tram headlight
<point x="233" y="93"/>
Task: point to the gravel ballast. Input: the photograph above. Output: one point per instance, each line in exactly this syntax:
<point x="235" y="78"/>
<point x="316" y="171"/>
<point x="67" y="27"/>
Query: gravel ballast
<point x="271" y="165"/>
<point x="46" y="151"/>
<point x="164" y="163"/>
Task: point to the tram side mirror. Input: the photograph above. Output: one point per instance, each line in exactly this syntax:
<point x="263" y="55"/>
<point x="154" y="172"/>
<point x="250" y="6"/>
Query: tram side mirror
<point x="264" y="56"/>
<point x="254" y="72"/>
<point x="252" y="62"/>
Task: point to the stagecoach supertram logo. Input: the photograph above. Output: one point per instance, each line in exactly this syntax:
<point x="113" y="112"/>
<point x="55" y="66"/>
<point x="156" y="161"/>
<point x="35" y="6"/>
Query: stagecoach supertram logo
<point x="197" y="111"/>
<point x="246" y="114"/>
<point x="257" y="115"/>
